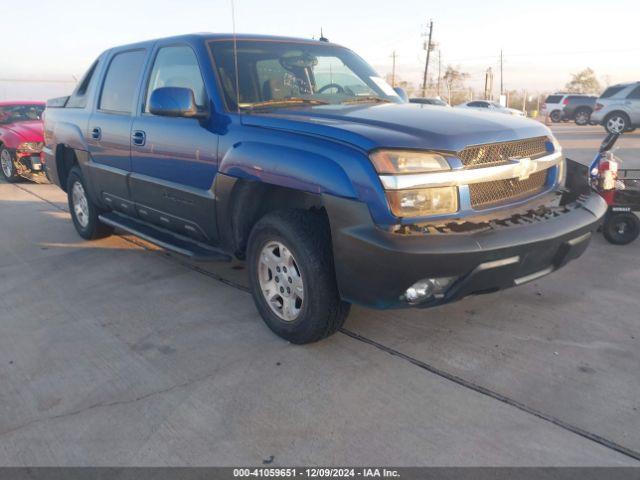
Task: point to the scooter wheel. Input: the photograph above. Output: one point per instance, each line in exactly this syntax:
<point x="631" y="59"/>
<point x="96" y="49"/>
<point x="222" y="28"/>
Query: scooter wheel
<point x="621" y="228"/>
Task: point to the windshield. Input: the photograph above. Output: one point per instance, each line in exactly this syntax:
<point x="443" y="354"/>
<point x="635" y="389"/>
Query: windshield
<point x="20" y="113"/>
<point x="282" y="74"/>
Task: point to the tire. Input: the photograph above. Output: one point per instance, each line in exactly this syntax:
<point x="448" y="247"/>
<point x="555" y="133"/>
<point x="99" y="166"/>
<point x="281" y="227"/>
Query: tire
<point x="300" y="240"/>
<point x="84" y="212"/>
<point x="582" y="117"/>
<point x="8" y="166"/>
<point x="621" y="228"/>
<point x="617" y="123"/>
<point x="556" y="116"/>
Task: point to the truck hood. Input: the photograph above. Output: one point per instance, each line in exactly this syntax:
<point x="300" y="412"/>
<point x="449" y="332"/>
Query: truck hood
<point x="399" y="125"/>
<point x="26" y="131"/>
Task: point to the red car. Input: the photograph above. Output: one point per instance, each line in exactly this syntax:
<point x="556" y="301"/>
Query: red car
<point x="21" y="140"/>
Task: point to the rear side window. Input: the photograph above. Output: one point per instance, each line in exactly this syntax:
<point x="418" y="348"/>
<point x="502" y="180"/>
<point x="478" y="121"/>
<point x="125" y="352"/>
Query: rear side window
<point x="611" y="91"/>
<point x="635" y="93"/>
<point x="121" y="82"/>
<point x="553" y="99"/>
<point x="177" y="66"/>
<point x="78" y="98"/>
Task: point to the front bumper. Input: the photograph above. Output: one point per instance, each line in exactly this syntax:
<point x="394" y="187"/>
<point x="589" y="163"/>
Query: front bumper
<point x="375" y="267"/>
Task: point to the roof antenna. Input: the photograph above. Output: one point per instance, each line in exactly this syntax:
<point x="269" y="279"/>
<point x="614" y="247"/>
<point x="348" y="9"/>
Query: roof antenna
<point x="322" y="37"/>
<point x="235" y="55"/>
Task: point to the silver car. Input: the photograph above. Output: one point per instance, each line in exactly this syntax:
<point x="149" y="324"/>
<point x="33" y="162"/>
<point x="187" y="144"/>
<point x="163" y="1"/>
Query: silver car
<point x="618" y="108"/>
<point x="487" y="106"/>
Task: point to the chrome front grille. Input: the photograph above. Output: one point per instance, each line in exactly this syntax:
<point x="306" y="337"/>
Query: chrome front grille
<point x="500" y="153"/>
<point x="490" y="194"/>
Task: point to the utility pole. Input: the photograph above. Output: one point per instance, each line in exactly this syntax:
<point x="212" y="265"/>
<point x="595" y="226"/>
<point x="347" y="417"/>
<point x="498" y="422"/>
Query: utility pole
<point x="439" y="70"/>
<point x="501" y="64"/>
<point x="393" y="69"/>
<point x="426" y="65"/>
<point x="488" y="84"/>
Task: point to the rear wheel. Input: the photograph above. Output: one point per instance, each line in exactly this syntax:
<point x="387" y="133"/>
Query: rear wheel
<point x="556" y="116"/>
<point x="292" y="276"/>
<point x="84" y="212"/>
<point x="9" y="171"/>
<point x="621" y="228"/>
<point x="582" y="117"/>
<point x="617" y="123"/>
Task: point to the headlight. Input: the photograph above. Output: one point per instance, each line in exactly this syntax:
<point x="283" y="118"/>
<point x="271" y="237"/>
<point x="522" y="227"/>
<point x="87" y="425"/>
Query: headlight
<point x="408" y="161"/>
<point x="557" y="148"/>
<point x="30" y="147"/>
<point x="423" y="201"/>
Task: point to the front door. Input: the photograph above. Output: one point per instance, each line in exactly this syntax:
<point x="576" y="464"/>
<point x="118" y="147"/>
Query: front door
<point x="174" y="160"/>
<point x="109" y="130"/>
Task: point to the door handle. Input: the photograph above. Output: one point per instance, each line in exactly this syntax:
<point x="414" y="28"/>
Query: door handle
<point x="139" y="137"/>
<point x="96" y="133"/>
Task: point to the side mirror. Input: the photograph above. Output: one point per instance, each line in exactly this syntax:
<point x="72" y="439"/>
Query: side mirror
<point x="174" y="102"/>
<point x="402" y="94"/>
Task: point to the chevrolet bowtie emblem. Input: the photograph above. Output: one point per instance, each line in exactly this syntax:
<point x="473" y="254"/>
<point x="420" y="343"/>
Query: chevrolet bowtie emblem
<point x="525" y="168"/>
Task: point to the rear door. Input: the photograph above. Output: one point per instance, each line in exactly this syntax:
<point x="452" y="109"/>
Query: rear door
<point x="109" y="129"/>
<point x="174" y="160"/>
<point x="633" y="105"/>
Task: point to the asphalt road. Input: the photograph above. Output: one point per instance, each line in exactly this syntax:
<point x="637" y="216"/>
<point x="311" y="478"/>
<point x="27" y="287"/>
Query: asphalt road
<point x="116" y="353"/>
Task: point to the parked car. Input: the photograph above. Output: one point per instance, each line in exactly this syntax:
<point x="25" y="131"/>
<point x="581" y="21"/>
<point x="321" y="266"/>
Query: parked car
<point x="553" y="106"/>
<point x="295" y="156"/>
<point x="429" y="101"/>
<point x="578" y="108"/>
<point x="21" y="140"/>
<point x="488" y="106"/>
<point x="618" y="108"/>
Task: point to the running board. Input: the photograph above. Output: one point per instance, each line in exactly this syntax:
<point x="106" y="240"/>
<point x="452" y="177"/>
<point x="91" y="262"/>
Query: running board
<point x="164" y="238"/>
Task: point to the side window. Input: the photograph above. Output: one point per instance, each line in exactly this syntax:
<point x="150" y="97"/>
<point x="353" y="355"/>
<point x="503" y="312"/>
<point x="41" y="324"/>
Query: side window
<point x="635" y="93"/>
<point x="121" y="82"/>
<point x="479" y="104"/>
<point x="79" y="97"/>
<point x="177" y="66"/>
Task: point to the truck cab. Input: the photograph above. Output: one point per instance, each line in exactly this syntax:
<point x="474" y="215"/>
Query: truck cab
<point x="297" y="157"/>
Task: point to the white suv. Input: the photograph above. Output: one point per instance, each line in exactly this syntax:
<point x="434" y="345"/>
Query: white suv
<point x="618" y="108"/>
<point x="552" y="107"/>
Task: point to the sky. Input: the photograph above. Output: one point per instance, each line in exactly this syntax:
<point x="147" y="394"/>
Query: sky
<point x="543" y="41"/>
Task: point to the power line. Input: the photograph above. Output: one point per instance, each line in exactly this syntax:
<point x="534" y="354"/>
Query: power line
<point x="35" y="80"/>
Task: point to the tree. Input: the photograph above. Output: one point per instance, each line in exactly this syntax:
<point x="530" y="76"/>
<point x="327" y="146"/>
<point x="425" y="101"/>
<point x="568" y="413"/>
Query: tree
<point x="583" y="82"/>
<point x="453" y="78"/>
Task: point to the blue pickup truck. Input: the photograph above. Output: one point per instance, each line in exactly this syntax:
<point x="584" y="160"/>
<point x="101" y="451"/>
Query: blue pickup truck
<point x="296" y="156"/>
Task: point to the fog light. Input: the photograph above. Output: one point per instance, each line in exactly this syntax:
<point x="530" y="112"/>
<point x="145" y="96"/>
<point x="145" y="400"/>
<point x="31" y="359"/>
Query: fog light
<point x="427" y="288"/>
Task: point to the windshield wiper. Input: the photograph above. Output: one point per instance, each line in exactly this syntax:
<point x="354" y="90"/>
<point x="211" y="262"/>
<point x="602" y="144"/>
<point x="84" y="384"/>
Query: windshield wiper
<point x="367" y="99"/>
<point x="284" y="102"/>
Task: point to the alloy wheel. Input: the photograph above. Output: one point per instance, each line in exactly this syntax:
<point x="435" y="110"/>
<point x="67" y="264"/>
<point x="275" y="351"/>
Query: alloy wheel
<point x="80" y="204"/>
<point x="616" y="124"/>
<point x="7" y="163"/>
<point x="281" y="281"/>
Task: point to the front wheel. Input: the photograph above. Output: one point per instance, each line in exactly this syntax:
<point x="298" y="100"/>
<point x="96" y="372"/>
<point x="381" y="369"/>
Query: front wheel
<point x="84" y="212"/>
<point x="9" y="171"/>
<point x="292" y="276"/>
<point x="621" y="228"/>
